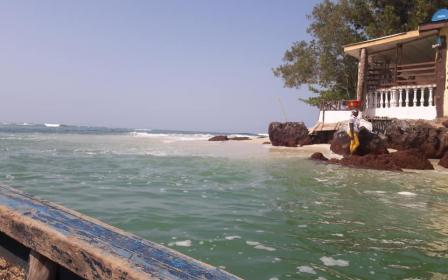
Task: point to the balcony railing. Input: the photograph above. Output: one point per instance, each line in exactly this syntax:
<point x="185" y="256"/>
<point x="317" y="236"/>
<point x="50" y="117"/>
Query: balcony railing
<point x="404" y="102"/>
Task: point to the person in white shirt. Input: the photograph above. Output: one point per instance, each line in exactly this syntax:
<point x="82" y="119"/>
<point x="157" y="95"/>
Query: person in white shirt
<point x="353" y="130"/>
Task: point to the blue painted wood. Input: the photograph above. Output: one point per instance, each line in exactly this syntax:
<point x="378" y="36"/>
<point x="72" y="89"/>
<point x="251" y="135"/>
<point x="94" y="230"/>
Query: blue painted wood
<point x="137" y="254"/>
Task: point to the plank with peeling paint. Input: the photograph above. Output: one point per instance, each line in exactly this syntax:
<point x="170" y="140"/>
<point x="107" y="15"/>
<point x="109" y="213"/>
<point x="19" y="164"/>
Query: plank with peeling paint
<point x="90" y="248"/>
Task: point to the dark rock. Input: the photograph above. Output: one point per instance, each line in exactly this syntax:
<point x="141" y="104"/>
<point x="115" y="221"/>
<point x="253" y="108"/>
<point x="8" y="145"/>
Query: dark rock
<point x="240" y="138"/>
<point x="444" y="160"/>
<point x="219" y="138"/>
<point x="318" y="156"/>
<point x="267" y="143"/>
<point x="411" y="159"/>
<point x="371" y="161"/>
<point x="340" y="143"/>
<point x="445" y="123"/>
<point x="369" y="143"/>
<point x="288" y="134"/>
<point x="404" y="135"/>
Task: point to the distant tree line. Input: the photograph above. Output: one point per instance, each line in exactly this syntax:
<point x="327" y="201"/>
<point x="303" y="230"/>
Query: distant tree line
<point x="321" y="63"/>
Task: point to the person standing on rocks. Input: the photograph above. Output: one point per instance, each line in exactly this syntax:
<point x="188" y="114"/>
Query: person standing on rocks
<point x="353" y="130"/>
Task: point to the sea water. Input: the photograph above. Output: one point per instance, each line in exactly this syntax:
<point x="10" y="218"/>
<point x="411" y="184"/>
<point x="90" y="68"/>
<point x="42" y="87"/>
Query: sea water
<point x="256" y="211"/>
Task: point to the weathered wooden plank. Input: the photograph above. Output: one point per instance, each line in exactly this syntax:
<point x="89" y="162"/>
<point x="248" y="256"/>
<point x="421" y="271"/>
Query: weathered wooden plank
<point x="416" y="64"/>
<point x="90" y="248"/>
<point x="40" y="268"/>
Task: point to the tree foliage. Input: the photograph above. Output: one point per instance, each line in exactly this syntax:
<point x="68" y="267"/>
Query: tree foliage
<point x="321" y="63"/>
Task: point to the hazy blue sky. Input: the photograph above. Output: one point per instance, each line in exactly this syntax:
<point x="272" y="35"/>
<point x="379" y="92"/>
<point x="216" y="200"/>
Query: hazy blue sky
<point x="186" y="65"/>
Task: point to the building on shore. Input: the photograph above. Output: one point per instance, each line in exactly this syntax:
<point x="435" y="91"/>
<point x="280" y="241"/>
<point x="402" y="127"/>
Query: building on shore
<point x="399" y="76"/>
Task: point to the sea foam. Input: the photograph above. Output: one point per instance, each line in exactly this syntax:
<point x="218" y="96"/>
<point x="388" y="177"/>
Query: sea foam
<point x="306" y="269"/>
<point x="329" y="261"/>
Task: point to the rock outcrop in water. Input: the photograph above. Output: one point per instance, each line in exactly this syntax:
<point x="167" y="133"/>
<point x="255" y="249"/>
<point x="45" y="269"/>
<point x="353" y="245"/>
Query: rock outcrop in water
<point x="369" y="143"/>
<point x="372" y="161"/>
<point x="430" y="140"/>
<point x="219" y="138"/>
<point x="409" y="159"/>
<point x="226" y="138"/>
<point x="289" y="134"/>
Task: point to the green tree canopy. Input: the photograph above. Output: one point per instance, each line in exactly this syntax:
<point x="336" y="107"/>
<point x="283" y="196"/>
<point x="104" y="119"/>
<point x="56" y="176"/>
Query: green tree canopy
<point x="321" y="63"/>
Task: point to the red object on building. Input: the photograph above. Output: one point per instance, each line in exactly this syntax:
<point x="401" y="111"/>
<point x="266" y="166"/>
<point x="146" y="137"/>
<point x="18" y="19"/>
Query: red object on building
<point x="353" y="104"/>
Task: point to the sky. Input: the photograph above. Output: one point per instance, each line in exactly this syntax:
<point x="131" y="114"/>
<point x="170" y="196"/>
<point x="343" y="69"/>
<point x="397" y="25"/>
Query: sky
<point x="166" y="64"/>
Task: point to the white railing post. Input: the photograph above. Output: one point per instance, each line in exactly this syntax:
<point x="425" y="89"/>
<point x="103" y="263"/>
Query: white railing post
<point x="381" y="99"/>
<point x="393" y="102"/>
<point x="430" y="98"/>
<point x="400" y="98"/>
<point x="407" y="97"/>
<point x="387" y="98"/>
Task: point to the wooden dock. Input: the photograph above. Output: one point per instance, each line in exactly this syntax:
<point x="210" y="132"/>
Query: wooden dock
<point x="53" y="242"/>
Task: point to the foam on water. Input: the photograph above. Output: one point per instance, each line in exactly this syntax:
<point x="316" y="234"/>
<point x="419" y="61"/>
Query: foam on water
<point x="184" y="243"/>
<point x="52" y="124"/>
<point x="329" y="261"/>
<point x="407" y="193"/>
<point x="263" y="247"/>
<point x="233" y="237"/>
<point x="306" y="269"/>
<point x="171" y="137"/>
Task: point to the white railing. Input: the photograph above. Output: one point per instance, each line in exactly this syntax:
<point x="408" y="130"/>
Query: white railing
<point x="403" y="102"/>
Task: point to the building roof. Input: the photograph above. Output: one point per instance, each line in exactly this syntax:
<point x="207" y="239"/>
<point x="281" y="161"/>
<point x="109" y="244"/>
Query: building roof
<point x="386" y="42"/>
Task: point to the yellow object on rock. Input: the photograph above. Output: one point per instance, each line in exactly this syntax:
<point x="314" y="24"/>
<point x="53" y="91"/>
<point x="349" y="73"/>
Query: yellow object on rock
<point x="354" y="143"/>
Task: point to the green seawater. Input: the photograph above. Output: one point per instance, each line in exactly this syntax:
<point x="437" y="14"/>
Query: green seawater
<point x="258" y="212"/>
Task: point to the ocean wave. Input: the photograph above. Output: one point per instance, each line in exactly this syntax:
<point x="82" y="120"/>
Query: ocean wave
<point x="173" y="136"/>
<point x="52" y="125"/>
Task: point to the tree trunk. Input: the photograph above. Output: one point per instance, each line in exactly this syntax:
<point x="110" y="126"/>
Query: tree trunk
<point x="362" y="67"/>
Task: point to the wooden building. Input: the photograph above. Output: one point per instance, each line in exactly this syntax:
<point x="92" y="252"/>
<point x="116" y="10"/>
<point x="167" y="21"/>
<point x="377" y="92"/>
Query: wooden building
<point x="403" y="75"/>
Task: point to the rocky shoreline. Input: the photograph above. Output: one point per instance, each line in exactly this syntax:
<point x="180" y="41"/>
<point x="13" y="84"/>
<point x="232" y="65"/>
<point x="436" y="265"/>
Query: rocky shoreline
<point x="414" y="142"/>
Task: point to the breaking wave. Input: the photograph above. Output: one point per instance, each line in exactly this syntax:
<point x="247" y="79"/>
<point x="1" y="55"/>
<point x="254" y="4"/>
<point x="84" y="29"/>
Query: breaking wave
<point x="174" y="136"/>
